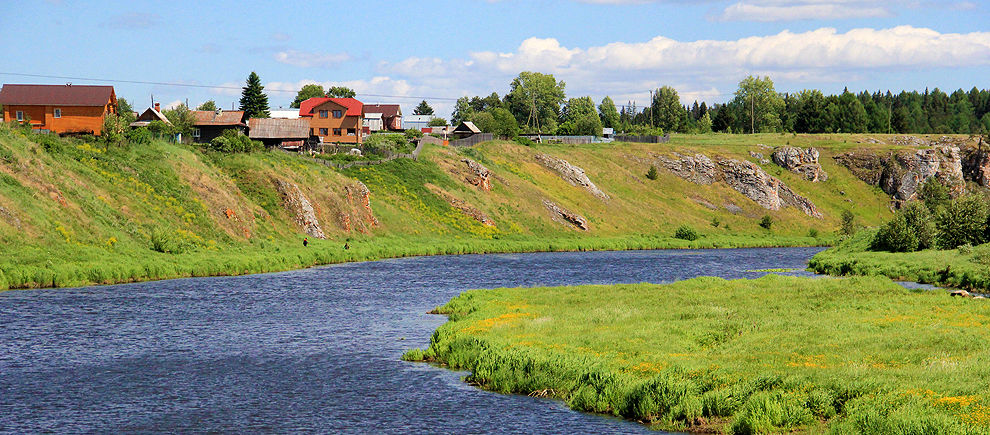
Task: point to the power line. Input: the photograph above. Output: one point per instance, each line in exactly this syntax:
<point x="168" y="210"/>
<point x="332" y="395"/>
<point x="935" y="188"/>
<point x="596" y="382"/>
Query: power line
<point x="190" y="85"/>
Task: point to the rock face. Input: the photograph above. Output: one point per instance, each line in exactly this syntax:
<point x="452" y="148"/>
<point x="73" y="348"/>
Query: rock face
<point x="563" y="216"/>
<point x="900" y="174"/>
<point x="481" y="175"/>
<point x="300" y="207"/>
<point x="698" y="169"/>
<point x="745" y="177"/>
<point x="976" y="164"/>
<point x="571" y="174"/>
<point x="359" y="197"/>
<point x="801" y="161"/>
<point x="463" y="206"/>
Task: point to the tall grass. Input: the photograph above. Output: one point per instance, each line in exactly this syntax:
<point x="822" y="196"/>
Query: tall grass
<point x="861" y="355"/>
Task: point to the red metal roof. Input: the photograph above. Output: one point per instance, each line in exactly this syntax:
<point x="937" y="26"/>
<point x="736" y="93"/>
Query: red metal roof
<point x="209" y="117"/>
<point x="387" y="110"/>
<point x="354" y="107"/>
<point x="56" y="95"/>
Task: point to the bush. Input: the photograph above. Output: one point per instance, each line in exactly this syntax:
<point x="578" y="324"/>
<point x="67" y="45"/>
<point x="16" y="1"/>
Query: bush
<point x="413" y="133"/>
<point x="652" y="173"/>
<point x="716" y="222"/>
<point x="385" y="144"/>
<point x="813" y="233"/>
<point x="848" y="222"/>
<point x="524" y="141"/>
<point x="920" y="222"/>
<point x="766" y="222"/>
<point x="895" y="236"/>
<point x="139" y="136"/>
<point x="233" y="141"/>
<point x="934" y="194"/>
<point x="685" y="232"/>
<point x="962" y="220"/>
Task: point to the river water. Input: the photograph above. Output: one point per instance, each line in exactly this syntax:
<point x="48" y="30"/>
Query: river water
<point x="313" y="350"/>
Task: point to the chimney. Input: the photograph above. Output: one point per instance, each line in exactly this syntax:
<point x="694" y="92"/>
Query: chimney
<point x="158" y="107"/>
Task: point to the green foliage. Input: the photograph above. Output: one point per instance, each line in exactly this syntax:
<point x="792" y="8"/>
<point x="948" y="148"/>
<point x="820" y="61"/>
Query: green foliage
<point x="652" y="173"/>
<point x="385" y="144"/>
<point x="766" y="222"/>
<point x="437" y="122"/>
<point x="895" y="236"/>
<point x="124" y="110"/>
<point x="533" y="93"/>
<point x="504" y="125"/>
<point x="685" y="232"/>
<point x="181" y="118"/>
<point x="666" y="110"/>
<point x="934" y="194"/>
<point x="921" y="223"/>
<point x="848" y="223"/>
<point x="139" y="136"/>
<point x="705" y="124"/>
<point x="608" y="113"/>
<point x="233" y="141"/>
<point x="578" y="117"/>
<point x="524" y="141"/>
<point x="307" y="92"/>
<point x="424" y="109"/>
<point x="340" y="92"/>
<point x="963" y="220"/>
<point x="760" y="103"/>
<point x="208" y="105"/>
<point x="413" y="133"/>
<point x="716" y="222"/>
<point x="253" y="101"/>
<point x="113" y="129"/>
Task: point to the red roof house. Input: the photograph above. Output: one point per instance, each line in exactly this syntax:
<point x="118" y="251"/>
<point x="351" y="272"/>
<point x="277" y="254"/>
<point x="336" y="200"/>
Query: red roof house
<point x="59" y="108"/>
<point x="334" y="119"/>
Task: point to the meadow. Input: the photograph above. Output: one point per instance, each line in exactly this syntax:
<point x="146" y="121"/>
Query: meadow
<point x="774" y="354"/>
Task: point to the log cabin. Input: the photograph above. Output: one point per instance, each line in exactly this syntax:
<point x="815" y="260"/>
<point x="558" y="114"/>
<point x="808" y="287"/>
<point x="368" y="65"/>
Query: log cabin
<point x="61" y="109"/>
<point x="334" y="119"/>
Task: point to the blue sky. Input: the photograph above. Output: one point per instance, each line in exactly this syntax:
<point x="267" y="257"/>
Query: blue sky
<point x="398" y="52"/>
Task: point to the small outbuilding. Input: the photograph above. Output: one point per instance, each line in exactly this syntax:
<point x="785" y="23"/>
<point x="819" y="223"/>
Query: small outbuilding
<point x="290" y="134"/>
<point x="208" y="124"/>
<point x="152" y="114"/>
<point x="466" y="129"/>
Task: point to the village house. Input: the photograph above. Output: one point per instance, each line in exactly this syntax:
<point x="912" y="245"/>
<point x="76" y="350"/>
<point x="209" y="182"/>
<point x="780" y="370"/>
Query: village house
<point x="417" y="122"/>
<point x="379" y="117"/>
<point x="290" y="134"/>
<point x="209" y="124"/>
<point x="62" y="109"/>
<point x="152" y="114"/>
<point x="334" y="119"/>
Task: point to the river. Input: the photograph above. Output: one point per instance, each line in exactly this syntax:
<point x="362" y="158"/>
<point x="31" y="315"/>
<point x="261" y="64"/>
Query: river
<point x="314" y="350"/>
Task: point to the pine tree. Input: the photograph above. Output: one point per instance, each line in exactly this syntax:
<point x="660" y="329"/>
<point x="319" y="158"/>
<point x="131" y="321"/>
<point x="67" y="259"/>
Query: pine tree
<point x="254" y="102"/>
<point x="423" y="109"/>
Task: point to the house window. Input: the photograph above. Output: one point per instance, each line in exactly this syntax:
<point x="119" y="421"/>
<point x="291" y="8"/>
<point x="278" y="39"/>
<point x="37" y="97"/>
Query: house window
<point x="338" y="114"/>
<point x="323" y="132"/>
<point x="324" y="114"/>
<point x="336" y="132"/>
<point x="310" y="131"/>
<point x="58" y="113"/>
<point x="20" y="116"/>
<point x="350" y="132"/>
<point x="196" y="133"/>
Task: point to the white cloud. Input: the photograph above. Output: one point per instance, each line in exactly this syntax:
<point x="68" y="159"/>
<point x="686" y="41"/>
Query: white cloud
<point x="172" y="105"/>
<point x="305" y="59"/>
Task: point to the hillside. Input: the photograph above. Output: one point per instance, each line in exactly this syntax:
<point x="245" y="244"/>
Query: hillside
<point x="73" y="212"/>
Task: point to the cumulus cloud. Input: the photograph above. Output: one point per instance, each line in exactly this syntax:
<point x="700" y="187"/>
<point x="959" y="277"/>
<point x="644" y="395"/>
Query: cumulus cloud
<point x="623" y="68"/>
<point x="305" y="59"/>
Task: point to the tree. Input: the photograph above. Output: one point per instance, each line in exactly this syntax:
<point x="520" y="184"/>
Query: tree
<point x="181" y="118"/>
<point x="961" y="221"/>
<point x="761" y="103"/>
<point x="254" y="102"/>
<point x="307" y="92"/>
<point x="579" y="117"/>
<point x="124" y="110"/>
<point x="485" y="121"/>
<point x="462" y="112"/>
<point x="666" y="110"/>
<point x="208" y="105"/>
<point x="340" y="92"/>
<point x="534" y="99"/>
<point x="113" y="129"/>
<point x="705" y="124"/>
<point x="608" y="113"/>
<point x="437" y="122"/>
<point x="505" y="125"/>
<point x="423" y="109"/>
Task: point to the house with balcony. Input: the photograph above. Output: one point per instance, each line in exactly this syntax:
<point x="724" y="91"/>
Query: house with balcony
<point x="334" y="119"/>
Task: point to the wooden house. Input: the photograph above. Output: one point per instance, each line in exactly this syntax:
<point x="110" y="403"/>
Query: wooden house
<point x="334" y="119"/>
<point x="290" y="134"/>
<point x="152" y="114"/>
<point x="383" y="117"/>
<point x="62" y="109"/>
<point x="466" y="129"/>
<point x="208" y="124"/>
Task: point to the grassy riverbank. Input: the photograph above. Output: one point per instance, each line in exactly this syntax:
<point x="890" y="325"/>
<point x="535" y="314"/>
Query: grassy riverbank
<point x="966" y="267"/>
<point x="858" y="355"/>
<point x="74" y="211"/>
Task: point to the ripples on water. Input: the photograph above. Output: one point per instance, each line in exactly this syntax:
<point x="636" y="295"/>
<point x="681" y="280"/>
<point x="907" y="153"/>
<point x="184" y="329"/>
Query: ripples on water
<point x="314" y="350"/>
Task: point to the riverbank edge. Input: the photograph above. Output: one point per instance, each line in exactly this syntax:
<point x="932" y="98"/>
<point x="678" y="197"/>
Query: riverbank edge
<point x="665" y="401"/>
<point x="953" y="268"/>
<point x="157" y="266"/>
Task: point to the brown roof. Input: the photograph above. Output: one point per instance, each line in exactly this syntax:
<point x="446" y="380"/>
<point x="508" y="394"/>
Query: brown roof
<point x="209" y="117"/>
<point x="387" y="110"/>
<point x="56" y="95"/>
<point x="278" y="128"/>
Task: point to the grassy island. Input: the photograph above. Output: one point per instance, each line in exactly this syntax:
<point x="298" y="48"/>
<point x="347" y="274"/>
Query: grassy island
<point x="857" y="355"/>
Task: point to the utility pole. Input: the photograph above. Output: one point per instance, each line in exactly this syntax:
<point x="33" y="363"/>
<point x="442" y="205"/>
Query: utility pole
<point x="651" y="109"/>
<point x="752" y="113"/>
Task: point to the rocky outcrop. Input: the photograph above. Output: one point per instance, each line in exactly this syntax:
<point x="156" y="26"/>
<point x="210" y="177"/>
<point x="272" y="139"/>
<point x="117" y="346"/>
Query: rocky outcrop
<point x="698" y="169"/>
<point x="463" y="206"/>
<point x="302" y="210"/>
<point x="976" y="164"/>
<point x="801" y="161"/>
<point x="745" y="177"/>
<point x="359" y="197"/>
<point x="565" y="217"/>
<point x="571" y="174"/>
<point x="7" y="217"/>
<point x="900" y="174"/>
<point x="480" y="176"/>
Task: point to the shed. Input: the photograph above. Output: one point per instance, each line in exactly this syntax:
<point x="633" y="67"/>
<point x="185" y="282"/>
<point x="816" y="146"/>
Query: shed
<point x="466" y="129"/>
<point x="279" y="132"/>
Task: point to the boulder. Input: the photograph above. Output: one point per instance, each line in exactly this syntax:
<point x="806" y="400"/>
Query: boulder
<point x="566" y="217"/>
<point x="698" y="169"/>
<point x="571" y="174"/>
<point x="480" y="175"/>
<point x="960" y="293"/>
<point x="801" y="161"/>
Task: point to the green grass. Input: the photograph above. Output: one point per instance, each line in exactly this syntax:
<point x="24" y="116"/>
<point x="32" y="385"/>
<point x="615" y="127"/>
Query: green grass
<point x="858" y="355"/>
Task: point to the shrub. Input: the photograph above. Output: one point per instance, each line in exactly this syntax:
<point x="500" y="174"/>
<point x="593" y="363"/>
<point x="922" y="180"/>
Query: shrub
<point x="980" y="254"/>
<point x="813" y="233"/>
<point x="652" y="173"/>
<point x="139" y="135"/>
<point x="895" y="236"/>
<point x="685" y="232"/>
<point x="233" y="141"/>
<point x="524" y="141"/>
<point x="716" y="222"/>
<point x="413" y="133"/>
<point x="766" y="222"/>
<point x="385" y="144"/>
<point x="962" y="220"/>
<point x="919" y="220"/>
<point x="848" y="222"/>
<point x="934" y="194"/>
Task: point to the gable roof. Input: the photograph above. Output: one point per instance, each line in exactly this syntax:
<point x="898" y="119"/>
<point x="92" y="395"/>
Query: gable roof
<point x="467" y="127"/>
<point x="278" y="128"/>
<point x="225" y="117"/>
<point x="387" y="110"/>
<point x="56" y="95"/>
<point x="354" y="107"/>
<point x="152" y="115"/>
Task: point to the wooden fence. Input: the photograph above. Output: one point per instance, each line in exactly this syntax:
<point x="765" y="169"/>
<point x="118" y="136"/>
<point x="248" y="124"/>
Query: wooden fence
<point x="472" y="140"/>
<point x="414" y="155"/>
<point x="644" y="139"/>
